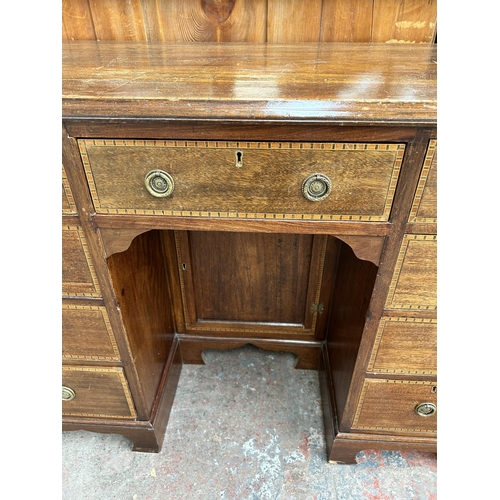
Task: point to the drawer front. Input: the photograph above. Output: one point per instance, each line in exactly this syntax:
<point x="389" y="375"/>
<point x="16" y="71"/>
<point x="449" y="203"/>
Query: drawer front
<point x="249" y="180"/>
<point x="78" y="276"/>
<point x="424" y="208"/>
<point x="390" y="405"/>
<point x="97" y="393"/>
<point x="406" y="346"/>
<point x="414" y="282"/>
<point x="68" y="203"/>
<point x="87" y="334"/>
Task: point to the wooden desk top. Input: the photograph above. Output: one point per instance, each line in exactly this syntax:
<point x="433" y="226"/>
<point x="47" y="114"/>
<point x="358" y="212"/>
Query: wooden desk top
<point x="342" y="83"/>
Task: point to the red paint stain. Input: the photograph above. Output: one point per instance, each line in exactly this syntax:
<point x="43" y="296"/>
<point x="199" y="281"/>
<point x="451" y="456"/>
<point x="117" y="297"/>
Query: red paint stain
<point x="304" y="445"/>
<point x="379" y="495"/>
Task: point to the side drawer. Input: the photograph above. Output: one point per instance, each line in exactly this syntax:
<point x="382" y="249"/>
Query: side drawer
<point x="96" y="392"/>
<point x="244" y="179"/>
<point x="424" y="208"/>
<point x="405" y="346"/>
<point x="78" y="276"/>
<point x="391" y="405"/>
<point x="414" y="282"/>
<point x="87" y="333"/>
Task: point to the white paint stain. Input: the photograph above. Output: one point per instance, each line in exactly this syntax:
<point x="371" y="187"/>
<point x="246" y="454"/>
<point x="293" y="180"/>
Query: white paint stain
<point x="269" y="463"/>
<point x="393" y="40"/>
<point x="294" y="456"/>
<point x="315" y="439"/>
<point x="411" y="24"/>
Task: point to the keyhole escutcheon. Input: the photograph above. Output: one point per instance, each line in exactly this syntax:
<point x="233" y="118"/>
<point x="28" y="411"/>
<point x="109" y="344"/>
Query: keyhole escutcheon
<point x="239" y="158"/>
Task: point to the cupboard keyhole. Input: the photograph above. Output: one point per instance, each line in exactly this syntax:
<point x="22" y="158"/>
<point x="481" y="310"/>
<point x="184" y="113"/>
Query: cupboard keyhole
<point x="239" y="159"/>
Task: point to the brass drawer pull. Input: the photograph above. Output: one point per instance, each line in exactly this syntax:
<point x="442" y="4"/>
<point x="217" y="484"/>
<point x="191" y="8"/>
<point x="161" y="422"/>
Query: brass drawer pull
<point x="159" y="183"/>
<point x="425" y="409"/>
<point x="316" y="187"/>
<point x="67" y="393"/>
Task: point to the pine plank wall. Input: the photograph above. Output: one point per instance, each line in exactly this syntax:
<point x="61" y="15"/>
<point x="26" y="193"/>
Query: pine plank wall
<point x="273" y="21"/>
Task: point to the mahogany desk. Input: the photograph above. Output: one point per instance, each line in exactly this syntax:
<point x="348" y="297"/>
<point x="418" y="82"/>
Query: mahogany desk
<point x="280" y="195"/>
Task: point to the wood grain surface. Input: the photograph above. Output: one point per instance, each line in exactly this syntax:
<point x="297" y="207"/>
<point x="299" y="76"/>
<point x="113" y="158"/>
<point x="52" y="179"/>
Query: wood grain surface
<point x="414" y="282"/>
<point x="242" y="283"/>
<point x="389" y="405"/>
<point x="344" y="83"/>
<point x="405" y="345"/>
<point x="249" y="180"/>
<point x="87" y="334"/>
<point x="281" y="21"/>
<point x="424" y="208"/>
<point x="100" y="392"/>
<point x="404" y="21"/>
<point x="78" y="274"/>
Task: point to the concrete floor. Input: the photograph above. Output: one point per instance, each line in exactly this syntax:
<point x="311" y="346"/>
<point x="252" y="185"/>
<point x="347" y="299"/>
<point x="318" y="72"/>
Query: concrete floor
<point x="246" y="425"/>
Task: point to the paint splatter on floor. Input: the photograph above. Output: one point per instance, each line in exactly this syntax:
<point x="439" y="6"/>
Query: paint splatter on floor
<point x="245" y="426"/>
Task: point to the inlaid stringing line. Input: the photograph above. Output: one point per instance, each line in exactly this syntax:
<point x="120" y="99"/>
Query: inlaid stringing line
<point x="128" y="396"/>
<point x="360" y="403"/>
<point x="88" y="171"/>
<point x="89" y="261"/>
<point x="429" y="158"/>
<point x="244" y="215"/>
<point x="241" y="145"/>
<point x="376" y="344"/>
<point x="69" y="194"/>
<point x="393" y="182"/>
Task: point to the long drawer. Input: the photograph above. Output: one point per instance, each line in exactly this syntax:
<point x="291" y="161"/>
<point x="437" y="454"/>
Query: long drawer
<point x="96" y="392"/>
<point x="405" y="406"/>
<point x="328" y="181"/>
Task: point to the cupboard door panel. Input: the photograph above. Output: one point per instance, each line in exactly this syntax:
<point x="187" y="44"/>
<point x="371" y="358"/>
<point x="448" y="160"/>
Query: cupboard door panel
<point x="250" y="282"/>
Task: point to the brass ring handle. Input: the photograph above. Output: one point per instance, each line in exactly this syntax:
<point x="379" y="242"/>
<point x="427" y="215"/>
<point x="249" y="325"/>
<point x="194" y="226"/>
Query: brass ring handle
<point x="67" y="393"/>
<point x="159" y="183"/>
<point x="316" y="187"/>
<point x="425" y="409"/>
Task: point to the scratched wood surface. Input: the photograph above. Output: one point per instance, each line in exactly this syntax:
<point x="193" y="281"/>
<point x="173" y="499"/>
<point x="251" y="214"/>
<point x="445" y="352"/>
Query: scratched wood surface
<point x="378" y="83"/>
<point x="274" y="21"/>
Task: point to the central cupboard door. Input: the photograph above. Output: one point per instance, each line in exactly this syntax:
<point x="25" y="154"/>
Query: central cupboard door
<point x="263" y="285"/>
